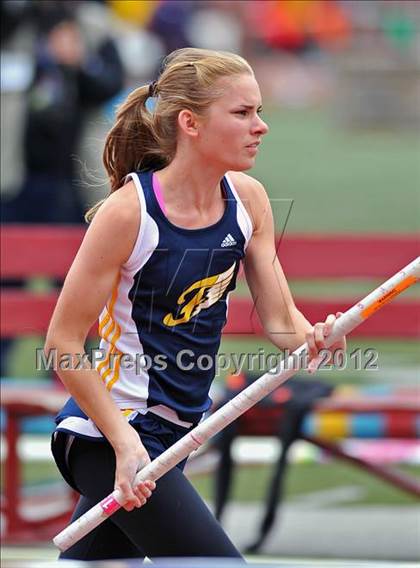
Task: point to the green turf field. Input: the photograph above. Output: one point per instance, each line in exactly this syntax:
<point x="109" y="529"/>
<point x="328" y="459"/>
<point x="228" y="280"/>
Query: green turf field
<point x="332" y="288"/>
<point x="398" y="360"/>
<point x="340" y="181"/>
<point x="251" y="482"/>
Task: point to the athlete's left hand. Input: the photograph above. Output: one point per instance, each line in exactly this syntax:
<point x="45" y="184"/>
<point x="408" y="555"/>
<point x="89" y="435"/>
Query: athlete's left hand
<point x="316" y="343"/>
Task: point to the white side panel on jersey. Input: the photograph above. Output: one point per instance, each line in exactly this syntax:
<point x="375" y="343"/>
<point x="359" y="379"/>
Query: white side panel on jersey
<point x="244" y="220"/>
<point x="148" y="236"/>
<point x="130" y="385"/>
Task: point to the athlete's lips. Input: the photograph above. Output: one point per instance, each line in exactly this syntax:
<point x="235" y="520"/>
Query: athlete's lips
<point x="254" y="144"/>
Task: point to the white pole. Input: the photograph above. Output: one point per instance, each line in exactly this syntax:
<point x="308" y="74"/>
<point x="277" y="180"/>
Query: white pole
<point x="241" y="403"/>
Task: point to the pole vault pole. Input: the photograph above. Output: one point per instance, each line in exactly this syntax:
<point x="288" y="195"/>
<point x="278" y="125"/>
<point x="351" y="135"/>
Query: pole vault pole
<point x="241" y="403"/>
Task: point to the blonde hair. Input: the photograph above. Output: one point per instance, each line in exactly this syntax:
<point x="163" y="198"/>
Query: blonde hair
<point x="142" y="139"/>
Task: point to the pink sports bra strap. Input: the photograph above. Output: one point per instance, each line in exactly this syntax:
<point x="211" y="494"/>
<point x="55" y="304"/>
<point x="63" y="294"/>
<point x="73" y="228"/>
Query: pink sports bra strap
<point x="158" y="192"/>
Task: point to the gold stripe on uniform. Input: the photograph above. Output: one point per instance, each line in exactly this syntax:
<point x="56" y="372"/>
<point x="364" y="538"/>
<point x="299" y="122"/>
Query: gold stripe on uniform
<point x="106" y="367"/>
<point x="110" y="309"/>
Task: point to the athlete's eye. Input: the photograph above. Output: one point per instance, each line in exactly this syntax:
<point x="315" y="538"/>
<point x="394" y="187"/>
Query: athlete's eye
<point x="245" y="112"/>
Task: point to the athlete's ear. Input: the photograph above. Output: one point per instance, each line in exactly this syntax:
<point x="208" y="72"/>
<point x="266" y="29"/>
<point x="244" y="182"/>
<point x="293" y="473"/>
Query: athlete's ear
<point x="188" y="122"/>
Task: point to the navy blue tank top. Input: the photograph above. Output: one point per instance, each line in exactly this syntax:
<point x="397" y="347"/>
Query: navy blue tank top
<point x="161" y="328"/>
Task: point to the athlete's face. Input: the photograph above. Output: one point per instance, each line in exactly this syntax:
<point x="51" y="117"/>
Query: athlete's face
<point x="232" y="128"/>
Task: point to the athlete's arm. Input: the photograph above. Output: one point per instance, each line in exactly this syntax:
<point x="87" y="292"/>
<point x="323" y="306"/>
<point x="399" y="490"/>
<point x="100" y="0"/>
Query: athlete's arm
<point x="108" y="243"/>
<point x="283" y="323"/>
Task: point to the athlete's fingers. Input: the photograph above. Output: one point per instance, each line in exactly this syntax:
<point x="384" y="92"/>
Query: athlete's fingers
<point x="316" y="341"/>
<point x="141" y="490"/>
<point x="130" y="499"/>
<point x="141" y="498"/>
<point x="310" y="340"/>
<point x="145" y="491"/>
<point x="150" y="484"/>
<point x="319" y="336"/>
<point x="329" y="322"/>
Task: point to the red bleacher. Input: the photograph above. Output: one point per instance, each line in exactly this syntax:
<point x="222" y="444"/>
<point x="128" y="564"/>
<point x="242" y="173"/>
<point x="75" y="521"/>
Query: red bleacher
<point x="48" y="251"/>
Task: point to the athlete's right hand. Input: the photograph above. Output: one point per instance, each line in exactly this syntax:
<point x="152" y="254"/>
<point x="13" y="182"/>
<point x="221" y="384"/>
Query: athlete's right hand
<point x="131" y="456"/>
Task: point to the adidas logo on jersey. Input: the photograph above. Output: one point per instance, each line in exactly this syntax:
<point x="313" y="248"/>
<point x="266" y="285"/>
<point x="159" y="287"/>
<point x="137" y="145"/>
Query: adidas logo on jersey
<point x="228" y="241"/>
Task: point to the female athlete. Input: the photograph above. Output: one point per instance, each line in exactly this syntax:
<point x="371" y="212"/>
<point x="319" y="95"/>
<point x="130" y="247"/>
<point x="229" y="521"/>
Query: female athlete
<point x="156" y="266"/>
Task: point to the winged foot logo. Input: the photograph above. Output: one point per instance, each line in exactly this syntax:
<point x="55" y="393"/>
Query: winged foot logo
<point x="208" y="292"/>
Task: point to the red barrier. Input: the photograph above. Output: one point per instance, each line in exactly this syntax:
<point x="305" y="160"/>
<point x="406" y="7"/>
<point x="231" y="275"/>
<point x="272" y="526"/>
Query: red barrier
<point x="399" y="319"/>
<point x="49" y="251"/>
<point x="27" y="313"/>
<point x="38" y="250"/>
<point x="346" y="256"/>
<point x="28" y="251"/>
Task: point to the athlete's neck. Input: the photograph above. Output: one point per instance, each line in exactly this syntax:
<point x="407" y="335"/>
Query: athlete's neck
<point x="185" y="185"/>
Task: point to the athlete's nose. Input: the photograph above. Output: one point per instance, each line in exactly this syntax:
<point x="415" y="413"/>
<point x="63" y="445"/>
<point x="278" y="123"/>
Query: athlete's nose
<point x="260" y="127"/>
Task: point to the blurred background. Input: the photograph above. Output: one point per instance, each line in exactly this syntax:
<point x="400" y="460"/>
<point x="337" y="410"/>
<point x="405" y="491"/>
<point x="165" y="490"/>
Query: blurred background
<point x="340" y="82"/>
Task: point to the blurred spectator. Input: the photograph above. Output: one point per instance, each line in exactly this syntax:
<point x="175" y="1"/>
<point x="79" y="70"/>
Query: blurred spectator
<point x="170" y="23"/>
<point x="69" y="80"/>
<point x="298" y="26"/>
<point x="133" y="11"/>
<point x="12" y="15"/>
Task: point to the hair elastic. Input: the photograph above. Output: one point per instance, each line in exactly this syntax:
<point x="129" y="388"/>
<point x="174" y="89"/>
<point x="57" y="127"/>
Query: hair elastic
<point x="152" y="89"/>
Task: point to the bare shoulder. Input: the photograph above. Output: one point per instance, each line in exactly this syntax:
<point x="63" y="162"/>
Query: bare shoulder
<point x="252" y="194"/>
<point x="247" y="186"/>
<point x="117" y="222"/>
<point x="122" y="206"/>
